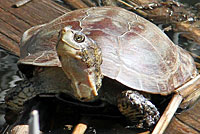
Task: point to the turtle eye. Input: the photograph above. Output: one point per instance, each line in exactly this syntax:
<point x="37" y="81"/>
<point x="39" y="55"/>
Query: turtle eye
<point x="79" y="37"/>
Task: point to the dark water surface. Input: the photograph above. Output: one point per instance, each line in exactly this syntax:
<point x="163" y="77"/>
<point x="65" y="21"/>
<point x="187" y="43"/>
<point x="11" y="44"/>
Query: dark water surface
<point x="8" y="69"/>
<point x="8" y="75"/>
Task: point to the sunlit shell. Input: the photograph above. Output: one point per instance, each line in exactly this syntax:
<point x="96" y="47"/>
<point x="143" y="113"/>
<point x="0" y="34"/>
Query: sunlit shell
<point x="135" y="51"/>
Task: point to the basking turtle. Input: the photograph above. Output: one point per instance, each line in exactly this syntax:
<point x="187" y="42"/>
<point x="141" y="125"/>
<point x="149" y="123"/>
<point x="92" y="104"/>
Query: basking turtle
<point x="132" y="54"/>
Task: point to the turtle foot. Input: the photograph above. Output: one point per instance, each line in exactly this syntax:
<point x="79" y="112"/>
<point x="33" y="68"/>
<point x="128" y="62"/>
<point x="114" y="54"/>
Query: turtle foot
<point x="139" y="110"/>
<point x="17" y="96"/>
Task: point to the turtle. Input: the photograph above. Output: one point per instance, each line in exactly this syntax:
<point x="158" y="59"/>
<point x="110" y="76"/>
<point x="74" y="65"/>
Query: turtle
<point x="105" y="53"/>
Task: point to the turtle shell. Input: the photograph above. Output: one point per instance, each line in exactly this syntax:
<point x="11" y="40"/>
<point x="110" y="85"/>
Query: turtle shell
<point x="135" y="52"/>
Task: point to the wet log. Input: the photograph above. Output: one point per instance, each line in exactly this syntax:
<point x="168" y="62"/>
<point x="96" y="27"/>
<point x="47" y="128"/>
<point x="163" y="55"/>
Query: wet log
<point x="26" y="16"/>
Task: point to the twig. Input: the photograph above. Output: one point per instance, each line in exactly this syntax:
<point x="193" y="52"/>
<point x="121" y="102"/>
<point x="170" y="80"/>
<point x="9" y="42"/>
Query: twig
<point x="21" y="3"/>
<point x="80" y="129"/>
<point x="168" y="114"/>
<point x="34" y="123"/>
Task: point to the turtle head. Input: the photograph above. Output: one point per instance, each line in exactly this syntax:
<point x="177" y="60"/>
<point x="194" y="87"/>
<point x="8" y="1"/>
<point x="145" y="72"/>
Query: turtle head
<point x="81" y="59"/>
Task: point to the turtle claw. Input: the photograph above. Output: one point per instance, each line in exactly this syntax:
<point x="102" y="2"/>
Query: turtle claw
<point x="139" y="110"/>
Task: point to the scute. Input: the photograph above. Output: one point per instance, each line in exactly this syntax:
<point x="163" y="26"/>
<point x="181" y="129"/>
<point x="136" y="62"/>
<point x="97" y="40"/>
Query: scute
<point x="135" y="52"/>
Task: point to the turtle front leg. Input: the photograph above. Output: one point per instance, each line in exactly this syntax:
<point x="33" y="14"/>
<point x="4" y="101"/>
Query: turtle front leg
<point x="18" y="95"/>
<point x="139" y="110"/>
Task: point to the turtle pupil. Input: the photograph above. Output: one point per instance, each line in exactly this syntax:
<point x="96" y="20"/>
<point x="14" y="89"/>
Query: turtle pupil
<point x="79" y="38"/>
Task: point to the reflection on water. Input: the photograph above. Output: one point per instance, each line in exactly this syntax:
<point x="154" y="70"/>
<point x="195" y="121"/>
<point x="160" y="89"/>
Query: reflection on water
<point x="189" y="45"/>
<point x="8" y="69"/>
<point x="190" y="2"/>
<point x="8" y="77"/>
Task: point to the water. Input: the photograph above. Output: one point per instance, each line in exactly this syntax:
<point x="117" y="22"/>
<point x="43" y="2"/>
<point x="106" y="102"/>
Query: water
<point x="8" y="76"/>
<point x="189" y="2"/>
<point x="8" y="72"/>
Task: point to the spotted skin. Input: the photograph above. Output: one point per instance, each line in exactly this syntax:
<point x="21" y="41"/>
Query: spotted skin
<point x="139" y="110"/>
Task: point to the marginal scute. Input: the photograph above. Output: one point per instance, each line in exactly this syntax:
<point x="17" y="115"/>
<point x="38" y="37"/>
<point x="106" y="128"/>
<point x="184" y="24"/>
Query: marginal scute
<point x="135" y="52"/>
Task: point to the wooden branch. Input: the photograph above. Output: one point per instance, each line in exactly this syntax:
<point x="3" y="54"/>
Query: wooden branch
<point x="191" y="87"/>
